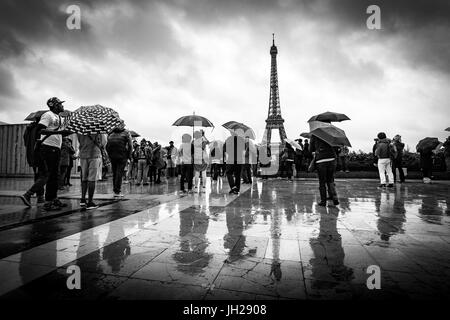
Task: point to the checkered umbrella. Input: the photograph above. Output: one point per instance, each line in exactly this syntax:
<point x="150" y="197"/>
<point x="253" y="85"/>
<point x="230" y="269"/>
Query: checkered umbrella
<point x="93" y="119"/>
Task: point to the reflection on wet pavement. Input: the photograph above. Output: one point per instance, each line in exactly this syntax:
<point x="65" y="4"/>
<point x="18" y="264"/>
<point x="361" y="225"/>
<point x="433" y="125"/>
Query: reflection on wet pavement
<point x="272" y="241"/>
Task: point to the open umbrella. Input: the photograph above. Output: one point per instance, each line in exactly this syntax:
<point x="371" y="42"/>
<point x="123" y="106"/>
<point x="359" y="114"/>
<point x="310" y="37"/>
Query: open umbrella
<point x="234" y="125"/>
<point x="93" y="120"/>
<point x="427" y="144"/>
<point x="332" y="135"/>
<point x="293" y="144"/>
<point x="306" y="135"/>
<point x="329" y="117"/>
<point x="192" y="121"/>
<point x="448" y="129"/>
<point x="134" y="134"/>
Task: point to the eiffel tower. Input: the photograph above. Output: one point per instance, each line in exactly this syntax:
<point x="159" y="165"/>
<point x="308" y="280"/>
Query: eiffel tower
<point x="274" y="119"/>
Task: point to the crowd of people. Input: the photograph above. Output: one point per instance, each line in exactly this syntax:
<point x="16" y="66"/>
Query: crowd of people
<point x="51" y="154"/>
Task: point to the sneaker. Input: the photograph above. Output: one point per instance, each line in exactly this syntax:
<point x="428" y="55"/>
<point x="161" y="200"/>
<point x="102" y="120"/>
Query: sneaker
<point x="336" y="202"/>
<point x="26" y="198"/>
<point x="145" y="183"/>
<point x="91" y="205"/>
<point x="116" y="195"/>
<point x="50" y="206"/>
<point x="190" y="191"/>
<point x="82" y="203"/>
<point x="390" y="185"/>
<point x="121" y="195"/>
<point x="235" y="191"/>
<point x="183" y="191"/>
<point x="322" y="203"/>
<point x="60" y="204"/>
<point x="381" y="186"/>
<point x="232" y="190"/>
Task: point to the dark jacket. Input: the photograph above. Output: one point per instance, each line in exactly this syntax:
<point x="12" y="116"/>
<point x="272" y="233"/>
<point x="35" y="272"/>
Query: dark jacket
<point x="447" y="148"/>
<point x="322" y="149"/>
<point x="119" y="145"/>
<point x="234" y="150"/>
<point x="399" y="146"/>
<point x="66" y="153"/>
<point x="382" y="150"/>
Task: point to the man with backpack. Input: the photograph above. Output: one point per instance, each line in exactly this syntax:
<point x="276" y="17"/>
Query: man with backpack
<point x="90" y="160"/>
<point x="385" y="151"/>
<point x="119" y="148"/>
<point x="47" y="152"/>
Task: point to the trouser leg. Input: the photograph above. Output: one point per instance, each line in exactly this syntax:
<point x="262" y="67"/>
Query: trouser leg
<point x="51" y="190"/>
<point x="237" y="176"/>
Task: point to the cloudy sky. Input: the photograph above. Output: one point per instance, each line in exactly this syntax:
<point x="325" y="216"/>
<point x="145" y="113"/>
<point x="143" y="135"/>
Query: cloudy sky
<point x="154" y="61"/>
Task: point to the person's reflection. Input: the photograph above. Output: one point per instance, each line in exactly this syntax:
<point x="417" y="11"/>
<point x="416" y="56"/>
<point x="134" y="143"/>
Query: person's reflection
<point x="194" y="224"/>
<point x="328" y="261"/>
<point x="234" y="240"/>
<point x="275" y="233"/>
<point x="88" y="240"/>
<point x="430" y="211"/>
<point x="117" y="251"/>
<point x="344" y="204"/>
<point x="391" y="211"/>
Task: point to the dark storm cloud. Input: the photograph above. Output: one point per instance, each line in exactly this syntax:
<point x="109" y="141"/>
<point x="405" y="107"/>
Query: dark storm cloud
<point x="7" y="88"/>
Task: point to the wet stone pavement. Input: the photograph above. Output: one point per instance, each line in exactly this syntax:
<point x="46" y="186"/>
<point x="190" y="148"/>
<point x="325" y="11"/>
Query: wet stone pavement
<point x="270" y="242"/>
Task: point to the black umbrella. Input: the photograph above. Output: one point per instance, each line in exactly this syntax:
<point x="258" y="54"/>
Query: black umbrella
<point x="427" y="144"/>
<point x="192" y="121"/>
<point x="306" y="135"/>
<point x="35" y="115"/>
<point x="234" y="125"/>
<point x="329" y="117"/>
<point x="332" y="135"/>
<point x="448" y="129"/>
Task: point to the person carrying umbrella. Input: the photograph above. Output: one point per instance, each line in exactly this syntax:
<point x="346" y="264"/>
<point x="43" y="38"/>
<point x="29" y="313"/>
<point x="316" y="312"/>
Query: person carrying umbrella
<point x="425" y="148"/>
<point x="234" y="153"/>
<point x="47" y="156"/>
<point x="325" y="160"/>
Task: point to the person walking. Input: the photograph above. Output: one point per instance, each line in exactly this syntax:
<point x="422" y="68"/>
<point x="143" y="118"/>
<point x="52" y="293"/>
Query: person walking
<point x="72" y="158"/>
<point x="343" y="158"/>
<point x="119" y="147"/>
<point x="397" y="161"/>
<point x="186" y="156"/>
<point x="171" y="160"/>
<point x="234" y="153"/>
<point x="201" y="160"/>
<point x="47" y="156"/>
<point x="216" y="156"/>
<point x="298" y="160"/>
<point x="384" y="152"/>
<point x="288" y="156"/>
<point x="325" y="159"/>
<point x="64" y="162"/>
<point x="143" y="155"/>
<point x="249" y="160"/>
<point x="134" y="162"/>
<point x="90" y="160"/>
<point x="158" y="162"/>
<point x="307" y="153"/>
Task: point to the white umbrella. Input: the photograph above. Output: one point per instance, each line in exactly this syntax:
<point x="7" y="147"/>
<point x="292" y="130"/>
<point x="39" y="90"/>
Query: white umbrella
<point x="293" y="143"/>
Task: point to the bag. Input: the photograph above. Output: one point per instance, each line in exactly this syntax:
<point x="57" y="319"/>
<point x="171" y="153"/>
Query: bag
<point x="312" y="165"/>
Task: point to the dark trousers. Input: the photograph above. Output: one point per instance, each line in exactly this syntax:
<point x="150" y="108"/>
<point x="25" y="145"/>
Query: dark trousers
<point x="62" y="175"/>
<point x="187" y="172"/>
<point x="48" y="169"/>
<point x="118" y="168"/>
<point x="39" y="193"/>
<point x="298" y="164"/>
<point x="234" y="175"/>
<point x="426" y="163"/>
<point x="215" y="170"/>
<point x="288" y="168"/>
<point x="68" y="173"/>
<point x="326" y="171"/>
<point x="343" y="163"/>
<point x="397" y="164"/>
<point x="247" y="173"/>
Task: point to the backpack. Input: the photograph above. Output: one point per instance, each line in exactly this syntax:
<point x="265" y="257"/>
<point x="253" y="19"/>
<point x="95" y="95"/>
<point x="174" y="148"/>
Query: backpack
<point x="29" y="138"/>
